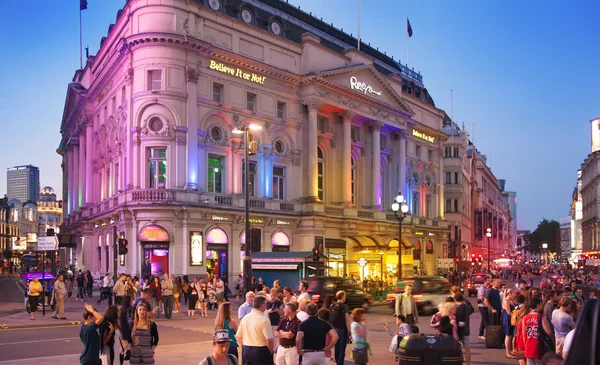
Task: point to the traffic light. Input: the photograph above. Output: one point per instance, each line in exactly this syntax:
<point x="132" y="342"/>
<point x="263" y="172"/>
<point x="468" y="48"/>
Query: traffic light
<point x="123" y="246"/>
<point x="316" y="254"/>
<point x="457" y="259"/>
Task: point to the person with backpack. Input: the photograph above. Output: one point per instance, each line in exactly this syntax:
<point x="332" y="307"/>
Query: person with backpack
<point x="531" y="331"/>
<point x="339" y="314"/>
<point x="463" y="313"/>
<point x="220" y="355"/>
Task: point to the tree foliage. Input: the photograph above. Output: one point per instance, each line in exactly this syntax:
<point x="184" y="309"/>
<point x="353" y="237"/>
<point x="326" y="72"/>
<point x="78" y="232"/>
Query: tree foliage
<point x="544" y="233"/>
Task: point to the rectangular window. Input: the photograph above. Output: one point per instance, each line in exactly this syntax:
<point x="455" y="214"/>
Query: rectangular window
<point x="251" y="179"/>
<point x="456" y="177"/>
<point x="114" y="104"/>
<point x="430" y="155"/>
<point x="320" y="180"/>
<point x="447" y="152"/>
<point x="353" y="178"/>
<point x="448" y="206"/>
<point x="251" y="102"/>
<point x="383" y="142"/>
<point x="418" y="151"/>
<point x="428" y="206"/>
<point x="281" y="110"/>
<point x="215" y="174"/>
<point x="279" y="183"/>
<point x="456" y="205"/>
<point x="123" y="96"/>
<point x="448" y="177"/>
<point x="157" y="166"/>
<point x="456" y="152"/>
<point x="415" y="204"/>
<point x="355" y="134"/>
<point x="218" y="93"/>
<point x="154" y="80"/>
<point x="322" y="124"/>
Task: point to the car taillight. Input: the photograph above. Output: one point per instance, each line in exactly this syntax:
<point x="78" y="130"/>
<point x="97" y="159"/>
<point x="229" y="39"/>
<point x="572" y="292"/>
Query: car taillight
<point x="316" y="297"/>
<point x="469" y="285"/>
<point x="418" y="297"/>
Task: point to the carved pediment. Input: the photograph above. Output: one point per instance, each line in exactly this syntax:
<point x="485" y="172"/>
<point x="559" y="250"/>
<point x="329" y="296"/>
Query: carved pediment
<point x="364" y="82"/>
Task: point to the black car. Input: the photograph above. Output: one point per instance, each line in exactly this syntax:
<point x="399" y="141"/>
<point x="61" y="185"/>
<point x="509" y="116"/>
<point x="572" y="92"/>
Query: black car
<point x="320" y="286"/>
<point x="428" y="291"/>
<point x="474" y="283"/>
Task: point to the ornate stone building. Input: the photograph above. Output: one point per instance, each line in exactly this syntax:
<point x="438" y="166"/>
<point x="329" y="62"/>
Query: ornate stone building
<point x="149" y="154"/>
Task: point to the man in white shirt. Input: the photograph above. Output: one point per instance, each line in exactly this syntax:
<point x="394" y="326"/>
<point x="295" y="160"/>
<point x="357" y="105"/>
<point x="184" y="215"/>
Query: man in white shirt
<point x="119" y="289"/>
<point x="255" y="334"/>
<point x="406" y="305"/>
<point x="220" y="290"/>
<point x="303" y="291"/>
<point x="105" y="291"/>
<point x="246" y="307"/>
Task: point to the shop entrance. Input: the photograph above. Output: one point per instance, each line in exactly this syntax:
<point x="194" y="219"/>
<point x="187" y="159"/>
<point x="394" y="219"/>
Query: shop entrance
<point x="155" y="244"/>
<point x="216" y="252"/>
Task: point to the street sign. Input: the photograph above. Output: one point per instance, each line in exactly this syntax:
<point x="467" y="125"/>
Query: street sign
<point x="47" y="243"/>
<point x="444" y="263"/>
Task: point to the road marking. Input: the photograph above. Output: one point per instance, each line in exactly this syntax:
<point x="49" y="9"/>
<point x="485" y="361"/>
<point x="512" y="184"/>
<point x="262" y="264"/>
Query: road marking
<point x="31" y="359"/>
<point x="36" y="341"/>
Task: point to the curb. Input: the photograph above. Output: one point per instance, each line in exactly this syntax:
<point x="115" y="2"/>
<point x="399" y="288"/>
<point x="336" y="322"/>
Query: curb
<point x="41" y="325"/>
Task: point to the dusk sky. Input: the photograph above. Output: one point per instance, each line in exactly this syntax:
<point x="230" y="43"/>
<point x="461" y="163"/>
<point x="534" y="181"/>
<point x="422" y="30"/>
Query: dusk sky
<point x="525" y="77"/>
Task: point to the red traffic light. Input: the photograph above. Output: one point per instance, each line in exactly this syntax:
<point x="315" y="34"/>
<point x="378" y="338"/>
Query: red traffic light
<point x="472" y="255"/>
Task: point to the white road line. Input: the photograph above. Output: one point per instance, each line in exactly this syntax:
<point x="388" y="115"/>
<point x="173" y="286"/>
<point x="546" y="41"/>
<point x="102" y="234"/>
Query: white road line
<point x="36" y="341"/>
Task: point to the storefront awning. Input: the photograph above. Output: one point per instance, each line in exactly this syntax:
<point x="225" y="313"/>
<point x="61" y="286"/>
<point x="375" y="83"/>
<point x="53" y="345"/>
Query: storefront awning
<point x="288" y="257"/>
<point x="376" y="241"/>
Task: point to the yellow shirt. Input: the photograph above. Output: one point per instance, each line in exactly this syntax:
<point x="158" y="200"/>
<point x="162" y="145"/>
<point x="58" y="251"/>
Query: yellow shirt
<point x="35" y="288"/>
<point x="254" y="329"/>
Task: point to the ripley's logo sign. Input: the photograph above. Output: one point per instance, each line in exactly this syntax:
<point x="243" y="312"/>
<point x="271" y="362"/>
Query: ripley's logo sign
<point x="362" y="86"/>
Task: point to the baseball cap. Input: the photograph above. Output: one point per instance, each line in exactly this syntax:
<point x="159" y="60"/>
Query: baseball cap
<point x="221" y="336"/>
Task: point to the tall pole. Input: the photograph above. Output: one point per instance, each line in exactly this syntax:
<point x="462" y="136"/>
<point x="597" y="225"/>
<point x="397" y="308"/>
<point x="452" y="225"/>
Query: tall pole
<point x="43" y="281"/>
<point x="358" y="25"/>
<point x="115" y="253"/>
<point x="247" y="261"/>
<point x="489" y="267"/>
<point x="80" y="43"/>
<point x="400" y="248"/>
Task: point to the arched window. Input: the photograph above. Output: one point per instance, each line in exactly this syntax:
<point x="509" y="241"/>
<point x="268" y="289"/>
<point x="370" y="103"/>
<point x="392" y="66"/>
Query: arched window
<point x="320" y="173"/>
<point x="353" y="177"/>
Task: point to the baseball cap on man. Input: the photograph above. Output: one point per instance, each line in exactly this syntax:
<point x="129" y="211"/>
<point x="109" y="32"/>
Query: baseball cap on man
<point x="221" y="336"/>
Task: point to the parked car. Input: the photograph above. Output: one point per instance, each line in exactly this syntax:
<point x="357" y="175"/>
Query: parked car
<point x="474" y="283"/>
<point x="320" y="286"/>
<point x="429" y="291"/>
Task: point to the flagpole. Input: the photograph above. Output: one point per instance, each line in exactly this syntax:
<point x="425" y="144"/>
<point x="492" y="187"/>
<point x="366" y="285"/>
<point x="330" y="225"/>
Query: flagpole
<point x="359" y="25"/>
<point x="407" y="43"/>
<point x="80" y="42"/>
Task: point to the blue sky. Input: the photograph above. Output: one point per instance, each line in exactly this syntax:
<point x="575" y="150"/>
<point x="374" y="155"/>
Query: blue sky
<point x="525" y="77"/>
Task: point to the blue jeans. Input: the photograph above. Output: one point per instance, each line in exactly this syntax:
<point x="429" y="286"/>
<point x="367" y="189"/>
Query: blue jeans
<point x="340" y="346"/>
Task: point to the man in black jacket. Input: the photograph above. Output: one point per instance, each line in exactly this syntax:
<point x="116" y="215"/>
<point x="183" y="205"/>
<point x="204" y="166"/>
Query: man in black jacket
<point x="463" y="312"/>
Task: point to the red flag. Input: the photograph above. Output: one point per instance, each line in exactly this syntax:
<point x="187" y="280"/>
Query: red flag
<point x="408" y="28"/>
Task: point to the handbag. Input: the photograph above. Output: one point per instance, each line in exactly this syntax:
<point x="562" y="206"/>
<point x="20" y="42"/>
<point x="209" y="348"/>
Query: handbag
<point x="395" y="343"/>
<point x="360" y="356"/>
<point x="545" y="342"/>
<point x="127" y="355"/>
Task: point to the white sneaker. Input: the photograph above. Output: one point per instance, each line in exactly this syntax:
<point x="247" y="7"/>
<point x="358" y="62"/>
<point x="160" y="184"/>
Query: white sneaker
<point x="481" y="337"/>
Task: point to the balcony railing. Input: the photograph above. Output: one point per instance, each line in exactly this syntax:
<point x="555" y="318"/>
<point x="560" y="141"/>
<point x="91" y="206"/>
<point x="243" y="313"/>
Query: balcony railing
<point x="334" y="210"/>
<point x="152" y="195"/>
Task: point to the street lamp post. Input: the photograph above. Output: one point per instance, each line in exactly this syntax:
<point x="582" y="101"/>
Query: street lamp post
<point x="400" y="209"/>
<point x="489" y="236"/>
<point x="362" y="262"/>
<point x="247" y="250"/>
<point x="545" y="252"/>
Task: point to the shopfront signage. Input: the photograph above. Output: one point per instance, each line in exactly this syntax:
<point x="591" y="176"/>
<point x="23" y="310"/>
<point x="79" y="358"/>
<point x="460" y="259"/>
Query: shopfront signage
<point x="335" y="256"/>
<point x="156" y="245"/>
<point x="219" y="218"/>
<point x="234" y="71"/>
<point x="423" y="136"/>
<point x="444" y="263"/>
<point x="196" y="249"/>
<point x="19" y="244"/>
<point x="274" y="267"/>
<point x="282" y="223"/>
<point x="362" y="87"/>
<point x="255" y="220"/>
<point x="153" y="233"/>
<point x="47" y="243"/>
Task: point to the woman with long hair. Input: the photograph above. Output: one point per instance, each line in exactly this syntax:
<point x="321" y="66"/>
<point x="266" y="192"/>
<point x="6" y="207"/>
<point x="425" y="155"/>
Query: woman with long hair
<point x="223" y="321"/>
<point x="144" y="336"/>
<point x="156" y="294"/>
<point x="176" y="293"/>
<point x="108" y="336"/>
<point x="508" y="305"/>
<point x="328" y="301"/>
<point x="203" y="298"/>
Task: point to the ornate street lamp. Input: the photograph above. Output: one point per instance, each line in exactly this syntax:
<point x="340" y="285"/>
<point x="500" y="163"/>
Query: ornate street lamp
<point x="400" y="209"/>
<point x="247" y="261"/>
<point x="489" y="235"/>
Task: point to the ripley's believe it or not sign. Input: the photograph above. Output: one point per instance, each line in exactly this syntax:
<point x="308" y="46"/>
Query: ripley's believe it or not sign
<point x="424" y="136"/>
<point x="234" y="71"/>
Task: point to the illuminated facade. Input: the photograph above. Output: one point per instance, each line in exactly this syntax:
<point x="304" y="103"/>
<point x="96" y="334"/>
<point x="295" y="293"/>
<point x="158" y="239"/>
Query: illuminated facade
<point x="590" y="194"/>
<point x="149" y="154"/>
<point x="577" y="217"/>
<point x="491" y="211"/>
<point x="8" y="231"/>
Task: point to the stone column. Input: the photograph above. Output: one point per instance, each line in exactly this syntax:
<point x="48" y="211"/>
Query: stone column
<point x="82" y="171"/>
<point x="238" y="152"/>
<point x="203" y="168"/>
<point x="313" y="187"/>
<point x="70" y="179"/>
<point x="75" y="177"/>
<point x="103" y="183"/>
<point x="136" y="158"/>
<point x="267" y="172"/>
<point x="347" y="159"/>
<point x="402" y="165"/>
<point x="89" y="174"/>
<point x="376" y="177"/>
<point x="192" y="129"/>
<point x="441" y="182"/>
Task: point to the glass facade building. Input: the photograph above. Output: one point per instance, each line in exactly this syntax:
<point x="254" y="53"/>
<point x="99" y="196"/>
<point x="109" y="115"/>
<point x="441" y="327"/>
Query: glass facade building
<point x="23" y="183"/>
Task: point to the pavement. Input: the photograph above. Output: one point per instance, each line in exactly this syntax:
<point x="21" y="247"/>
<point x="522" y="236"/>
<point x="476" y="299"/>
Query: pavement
<point x="182" y="340"/>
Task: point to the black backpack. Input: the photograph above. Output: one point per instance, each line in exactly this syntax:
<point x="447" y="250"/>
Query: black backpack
<point x="232" y="359"/>
<point x="337" y="316"/>
<point x="585" y="346"/>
